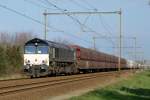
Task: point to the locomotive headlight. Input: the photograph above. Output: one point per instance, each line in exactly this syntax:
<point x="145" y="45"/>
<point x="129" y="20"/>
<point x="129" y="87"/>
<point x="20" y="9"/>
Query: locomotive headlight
<point x="42" y="67"/>
<point x="27" y="67"/>
<point x="27" y="61"/>
<point x="44" y="61"/>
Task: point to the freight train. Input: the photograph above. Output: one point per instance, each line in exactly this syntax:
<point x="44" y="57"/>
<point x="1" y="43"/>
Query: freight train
<point x="43" y="58"/>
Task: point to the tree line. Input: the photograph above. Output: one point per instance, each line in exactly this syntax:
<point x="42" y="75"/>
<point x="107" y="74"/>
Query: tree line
<point x="11" y="51"/>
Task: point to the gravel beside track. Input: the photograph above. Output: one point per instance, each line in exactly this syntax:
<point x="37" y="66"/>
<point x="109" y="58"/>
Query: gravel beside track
<point x="24" y="88"/>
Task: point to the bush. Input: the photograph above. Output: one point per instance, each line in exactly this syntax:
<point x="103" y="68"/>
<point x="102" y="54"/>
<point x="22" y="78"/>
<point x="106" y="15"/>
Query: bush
<point x="10" y="59"/>
<point x="11" y="52"/>
<point x="2" y="61"/>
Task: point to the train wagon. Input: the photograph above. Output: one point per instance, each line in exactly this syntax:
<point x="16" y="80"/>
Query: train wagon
<point x="92" y="60"/>
<point x="43" y="57"/>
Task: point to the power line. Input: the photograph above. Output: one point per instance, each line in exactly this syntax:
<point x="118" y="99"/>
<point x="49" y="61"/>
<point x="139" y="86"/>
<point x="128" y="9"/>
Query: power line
<point x="63" y="31"/>
<point x="64" y="10"/>
<point x="37" y="21"/>
<point x="104" y="25"/>
<point x="38" y="5"/>
<point x="75" y="19"/>
<point x="82" y="25"/>
<point x="85" y="21"/>
<point x="78" y="4"/>
<point x="55" y="6"/>
<point x="45" y="3"/>
<point x="25" y="16"/>
<point x="90" y="5"/>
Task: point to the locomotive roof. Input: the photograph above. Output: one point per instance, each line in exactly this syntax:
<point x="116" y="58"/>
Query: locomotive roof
<point x="46" y="42"/>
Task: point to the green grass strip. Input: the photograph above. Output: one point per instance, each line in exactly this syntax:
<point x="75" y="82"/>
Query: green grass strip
<point x="133" y="88"/>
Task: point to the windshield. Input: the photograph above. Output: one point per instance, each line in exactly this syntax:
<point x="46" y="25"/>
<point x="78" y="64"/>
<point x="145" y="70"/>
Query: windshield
<point x="36" y="50"/>
<point x="42" y="50"/>
<point x="30" y="49"/>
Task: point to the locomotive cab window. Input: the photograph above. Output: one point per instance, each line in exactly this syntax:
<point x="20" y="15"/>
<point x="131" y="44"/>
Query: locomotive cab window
<point x="42" y="49"/>
<point x="30" y="49"/>
<point x="36" y="49"/>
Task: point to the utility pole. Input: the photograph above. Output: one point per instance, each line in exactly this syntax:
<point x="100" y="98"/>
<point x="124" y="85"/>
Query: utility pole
<point x="135" y="51"/>
<point x="94" y="40"/>
<point x="93" y="13"/>
<point x="45" y="25"/>
<point x="120" y="41"/>
<point x="135" y="57"/>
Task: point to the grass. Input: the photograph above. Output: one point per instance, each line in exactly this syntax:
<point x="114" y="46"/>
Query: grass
<point x="12" y="76"/>
<point x="134" y="88"/>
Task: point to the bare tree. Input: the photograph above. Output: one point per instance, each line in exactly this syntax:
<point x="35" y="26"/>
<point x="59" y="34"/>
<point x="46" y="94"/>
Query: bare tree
<point x="3" y="38"/>
<point x="18" y="38"/>
<point x="22" y="37"/>
<point x="63" y="41"/>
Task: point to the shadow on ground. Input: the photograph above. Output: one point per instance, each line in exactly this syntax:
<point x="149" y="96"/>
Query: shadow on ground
<point x="139" y="91"/>
<point x="124" y="94"/>
<point x="148" y="75"/>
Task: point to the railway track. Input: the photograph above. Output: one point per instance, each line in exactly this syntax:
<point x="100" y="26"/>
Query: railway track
<point x="6" y="90"/>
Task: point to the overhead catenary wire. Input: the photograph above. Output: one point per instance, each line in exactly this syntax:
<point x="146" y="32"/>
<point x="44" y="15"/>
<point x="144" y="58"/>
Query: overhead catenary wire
<point x="79" y="5"/>
<point x="39" y="22"/>
<point x="45" y="3"/>
<point x="39" y="5"/>
<point x="55" y="6"/>
<point x="25" y="16"/>
<point x="82" y="25"/>
<point x="104" y="25"/>
<point x="94" y="8"/>
<point x="64" y="10"/>
<point x="75" y="19"/>
<point x="85" y="21"/>
<point x="100" y="17"/>
<point x="63" y="31"/>
<point x="90" y="5"/>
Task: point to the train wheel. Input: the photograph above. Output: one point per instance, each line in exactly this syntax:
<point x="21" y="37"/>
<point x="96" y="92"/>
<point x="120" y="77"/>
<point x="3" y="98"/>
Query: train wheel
<point x="31" y="76"/>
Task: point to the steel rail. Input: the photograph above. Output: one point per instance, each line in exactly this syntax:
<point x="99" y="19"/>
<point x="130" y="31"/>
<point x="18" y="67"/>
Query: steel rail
<point x="23" y="87"/>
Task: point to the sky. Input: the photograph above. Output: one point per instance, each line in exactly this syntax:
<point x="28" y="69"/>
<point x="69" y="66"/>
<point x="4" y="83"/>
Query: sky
<point x="135" y="23"/>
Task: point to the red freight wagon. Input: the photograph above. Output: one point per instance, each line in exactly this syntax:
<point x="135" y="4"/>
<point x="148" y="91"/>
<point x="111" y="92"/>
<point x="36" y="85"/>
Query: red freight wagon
<point x="91" y="59"/>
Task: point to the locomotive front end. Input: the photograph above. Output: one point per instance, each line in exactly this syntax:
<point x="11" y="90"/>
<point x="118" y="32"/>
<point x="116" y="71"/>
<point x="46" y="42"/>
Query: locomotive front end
<point x="36" y="58"/>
